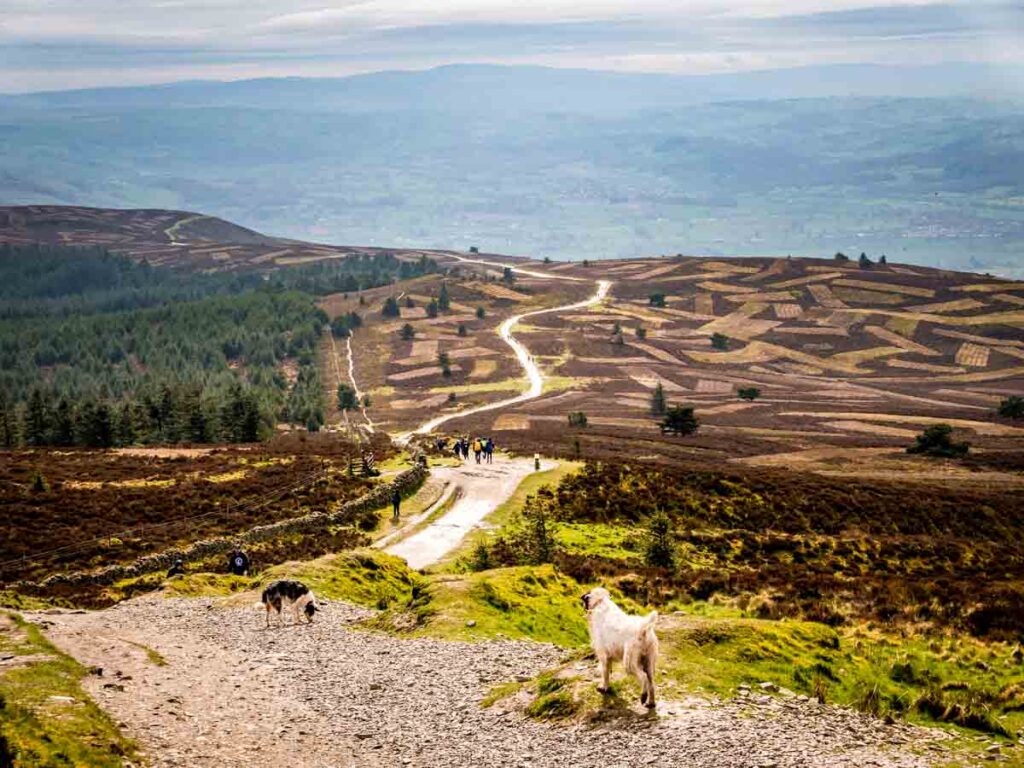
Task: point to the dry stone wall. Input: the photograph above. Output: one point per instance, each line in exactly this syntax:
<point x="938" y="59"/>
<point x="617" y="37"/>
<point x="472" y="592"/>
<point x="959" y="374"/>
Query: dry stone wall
<point x="379" y="497"/>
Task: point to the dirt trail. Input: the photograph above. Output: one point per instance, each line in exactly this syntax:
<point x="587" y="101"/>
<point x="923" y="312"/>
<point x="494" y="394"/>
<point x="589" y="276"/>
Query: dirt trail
<point x="326" y="695"/>
<point x="530" y="368"/>
<point x="479" y="489"/>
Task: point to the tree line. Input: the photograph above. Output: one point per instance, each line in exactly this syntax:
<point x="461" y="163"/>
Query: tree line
<point x="98" y="350"/>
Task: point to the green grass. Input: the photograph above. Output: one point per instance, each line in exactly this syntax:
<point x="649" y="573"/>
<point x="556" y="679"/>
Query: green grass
<point x="46" y="719"/>
<point x="534" y="603"/>
<point x="598" y="539"/>
<point x="155" y="657"/>
<point x="505" y="512"/>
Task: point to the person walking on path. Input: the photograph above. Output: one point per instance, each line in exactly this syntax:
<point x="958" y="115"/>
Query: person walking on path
<point x="478" y="448"/>
<point x="396" y="503"/>
<point x="489" y="450"/>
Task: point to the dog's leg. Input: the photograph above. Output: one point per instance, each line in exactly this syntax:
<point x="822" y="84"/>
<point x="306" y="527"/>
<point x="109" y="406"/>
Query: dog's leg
<point x="648" y="662"/>
<point x="605" y="663"/>
<point x="268" y="615"/>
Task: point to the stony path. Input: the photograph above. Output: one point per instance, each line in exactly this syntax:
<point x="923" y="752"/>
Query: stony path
<point x="325" y="695"/>
<point x="481" y="488"/>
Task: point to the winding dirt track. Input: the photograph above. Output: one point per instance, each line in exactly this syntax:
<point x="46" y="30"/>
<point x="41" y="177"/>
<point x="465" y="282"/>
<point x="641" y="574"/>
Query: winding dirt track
<point x="530" y="368"/>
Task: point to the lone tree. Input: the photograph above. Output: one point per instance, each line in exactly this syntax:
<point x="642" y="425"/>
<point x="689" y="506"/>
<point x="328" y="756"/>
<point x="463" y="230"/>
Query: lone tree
<point x="507" y="276"/>
<point x="446" y="364"/>
<point x="720" y="341"/>
<point x="407" y="332"/>
<point x="840" y="256"/>
<point x="882" y="260"/>
<point x="864" y="262"/>
<point x="1012" y="407"/>
<point x="658" y="404"/>
<point x="577" y="419"/>
<point x="390" y="308"/>
<point x="657" y="299"/>
<point x="936" y="440"/>
<point x="748" y="393"/>
<point x="409" y="303"/>
<point x="432" y="308"/>
<point x="444" y="301"/>
<point x="474" y="249"/>
<point x="347" y="399"/>
<point x="481" y="313"/>
<point x="679" y="420"/>
<point x="461" y="330"/>
<point x="641" y="332"/>
<point x="660" y="551"/>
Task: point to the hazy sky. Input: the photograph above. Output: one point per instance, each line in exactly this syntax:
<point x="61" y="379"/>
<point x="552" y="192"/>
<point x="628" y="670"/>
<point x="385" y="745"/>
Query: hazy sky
<point x="46" y="44"/>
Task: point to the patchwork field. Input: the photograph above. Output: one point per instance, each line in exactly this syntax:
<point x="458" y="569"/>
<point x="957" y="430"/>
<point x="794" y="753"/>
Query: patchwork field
<point x="899" y="348"/>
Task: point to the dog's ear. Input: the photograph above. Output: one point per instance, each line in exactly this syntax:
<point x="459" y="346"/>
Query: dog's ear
<point x="586" y="601"/>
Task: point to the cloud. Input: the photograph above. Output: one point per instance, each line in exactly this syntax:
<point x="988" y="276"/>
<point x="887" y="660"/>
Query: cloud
<point x="64" y="43"/>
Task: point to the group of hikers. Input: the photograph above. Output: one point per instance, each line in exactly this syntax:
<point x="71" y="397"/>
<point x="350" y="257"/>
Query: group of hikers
<point x="482" y="448"/>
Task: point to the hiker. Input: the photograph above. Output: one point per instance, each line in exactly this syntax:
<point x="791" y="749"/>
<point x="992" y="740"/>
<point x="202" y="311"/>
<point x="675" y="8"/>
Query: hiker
<point x="478" y="448"/>
<point x="178" y="569"/>
<point x="396" y="502"/>
<point x="238" y="563"/>
<point x="465" y="448"/>
<point x="489" y="450"/>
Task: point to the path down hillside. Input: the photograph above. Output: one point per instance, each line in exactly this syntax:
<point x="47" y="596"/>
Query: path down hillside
<point x="478" y="489"/>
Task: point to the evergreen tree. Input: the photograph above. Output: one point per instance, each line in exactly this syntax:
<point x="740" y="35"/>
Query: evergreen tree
<point x="37" y="419"/>
<point x="660" y="550"/>
<point x="124" y="426"/>
<point x="432" y="308"/>
<point x="658" y="404"/>
<point x="390" y="308"/>
<point x="443" y="300"/>
<point x="864" y="262"/>
<point x="679" y="420"/>
<point x="346" y="398"/>
<point x="8" y="422"/>
<point x="64" y="423"/>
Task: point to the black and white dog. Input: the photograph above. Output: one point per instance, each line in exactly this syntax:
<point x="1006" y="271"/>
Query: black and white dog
<point x="286" y="591"/>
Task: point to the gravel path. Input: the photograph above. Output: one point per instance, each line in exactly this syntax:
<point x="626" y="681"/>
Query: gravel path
<point x="326" y="695"/>
<point x="481" y="488"/>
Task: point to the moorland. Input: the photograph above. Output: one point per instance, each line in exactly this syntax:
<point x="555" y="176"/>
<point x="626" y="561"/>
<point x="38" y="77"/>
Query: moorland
<point x="791" y="542"/>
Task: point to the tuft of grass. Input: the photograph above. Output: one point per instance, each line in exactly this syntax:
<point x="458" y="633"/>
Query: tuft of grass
<point x="152" y="654"/>
<point x="46" y="719"/>
<point x="525" y="602"/>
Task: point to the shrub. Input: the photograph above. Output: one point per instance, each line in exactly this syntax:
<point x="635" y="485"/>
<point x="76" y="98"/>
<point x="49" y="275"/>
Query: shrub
<point x="38" y="483"/>
<point x="748" y="393"/>
<point x="474" y="249"/>
<point x="1012" y="407"/>
<point x="390" y="308"/>
<point x="720" y="341"/>
<point x="679" y="420"/>
<point x="347" y="399"/>
<point x="840" y="256"/>
<point x="432" y="308"/>
<point x="407" y="332"/>
<point x="409" y="303"/>
<point x="577" y="419"/>
<point x="657" y="299"/>
<point x="462" y="330"/>
<point x="864" y="262"/>
<point x="481" y="313"/>
<point x="936" y="440"/>
<point x="641" y="333"/>
<point x="660" y="552"/>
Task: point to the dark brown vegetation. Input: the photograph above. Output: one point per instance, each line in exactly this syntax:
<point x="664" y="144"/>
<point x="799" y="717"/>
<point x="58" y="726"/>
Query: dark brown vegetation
<point x="804" y="546"/>
<point x="95" y="508"/>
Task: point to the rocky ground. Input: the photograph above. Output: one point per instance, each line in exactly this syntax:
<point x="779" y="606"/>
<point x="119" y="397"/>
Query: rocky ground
<point x="199" y="684"/>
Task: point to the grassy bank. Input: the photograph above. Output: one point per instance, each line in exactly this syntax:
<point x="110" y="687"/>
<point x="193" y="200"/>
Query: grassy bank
<point x="46" y="719"/>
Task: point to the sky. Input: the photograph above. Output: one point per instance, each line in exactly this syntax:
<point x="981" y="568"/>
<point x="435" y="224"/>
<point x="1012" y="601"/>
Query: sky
<point x="58" y="44"/>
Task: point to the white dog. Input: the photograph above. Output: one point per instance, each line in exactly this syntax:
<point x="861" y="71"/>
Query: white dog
<point x="617" y="636"/>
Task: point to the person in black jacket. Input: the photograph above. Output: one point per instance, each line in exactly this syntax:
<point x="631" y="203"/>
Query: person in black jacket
<point x="396" y="503"/>
<point x="238" y="563"/>
<point x="177" y="569"/>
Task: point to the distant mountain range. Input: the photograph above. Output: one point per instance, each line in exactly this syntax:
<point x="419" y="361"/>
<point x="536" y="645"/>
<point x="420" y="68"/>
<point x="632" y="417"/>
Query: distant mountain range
<point x="925" y="164"/>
